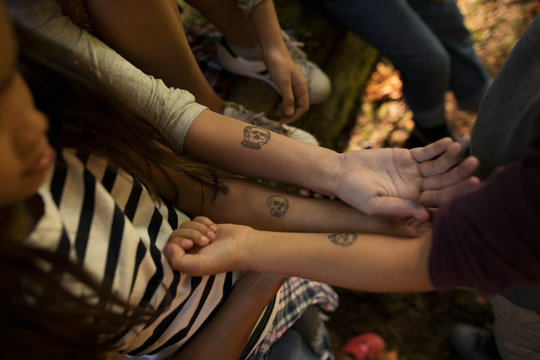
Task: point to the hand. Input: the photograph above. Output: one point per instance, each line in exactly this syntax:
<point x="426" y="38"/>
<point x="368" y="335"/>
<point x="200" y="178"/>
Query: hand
<point x="397" y="226"/>
<point x="226" y="245"/>
<point x="196" y="233"/>
<point x="291" y="83"/>
<point x="399" y="182"/>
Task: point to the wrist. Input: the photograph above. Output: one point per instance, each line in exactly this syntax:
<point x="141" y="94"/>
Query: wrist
<point x="275" y="55"/>
<point x="245" y="250"/>
<point x="327" y="172"/>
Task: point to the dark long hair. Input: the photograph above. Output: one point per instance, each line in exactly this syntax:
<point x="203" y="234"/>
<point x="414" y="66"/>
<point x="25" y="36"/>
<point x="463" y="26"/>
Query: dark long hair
<point x="39" y="317"/>
<point x="85" y="115"/>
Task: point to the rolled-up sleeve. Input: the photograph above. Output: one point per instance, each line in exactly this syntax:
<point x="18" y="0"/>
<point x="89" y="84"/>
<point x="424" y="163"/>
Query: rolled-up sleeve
<point x="170" y="110"/>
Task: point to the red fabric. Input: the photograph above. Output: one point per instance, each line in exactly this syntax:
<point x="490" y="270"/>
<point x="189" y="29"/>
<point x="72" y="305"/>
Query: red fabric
<point x="363" y="347"/>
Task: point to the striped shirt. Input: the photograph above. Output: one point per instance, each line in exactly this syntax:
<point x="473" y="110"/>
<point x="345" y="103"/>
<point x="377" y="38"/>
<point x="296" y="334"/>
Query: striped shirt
<point x="110" y="224"/>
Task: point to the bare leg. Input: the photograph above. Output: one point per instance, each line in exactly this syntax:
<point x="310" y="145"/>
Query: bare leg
<point x="230" y="20"/>
<point x="151" y="36"/>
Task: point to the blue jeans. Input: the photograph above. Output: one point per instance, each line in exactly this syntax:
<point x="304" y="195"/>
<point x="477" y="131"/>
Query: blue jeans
<point x="503" y="126"/>
<point x="429" y="45"/>
<point x="308" y="339"/>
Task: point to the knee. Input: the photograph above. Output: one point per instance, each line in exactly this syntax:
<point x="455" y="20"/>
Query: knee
<point x="437" y="63"/>
<point x="431" y="66"/>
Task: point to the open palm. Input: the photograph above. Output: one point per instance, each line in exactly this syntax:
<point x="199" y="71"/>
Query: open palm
<point x="400" y="182"/>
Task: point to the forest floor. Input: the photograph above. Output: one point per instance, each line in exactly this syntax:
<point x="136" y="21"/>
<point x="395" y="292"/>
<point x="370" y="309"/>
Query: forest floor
<point x="416" y="326"/>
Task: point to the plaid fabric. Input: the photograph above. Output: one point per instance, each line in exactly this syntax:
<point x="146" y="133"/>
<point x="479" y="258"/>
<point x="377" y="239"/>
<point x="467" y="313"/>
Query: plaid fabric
<point x="202" y="40"/>
<point x="295" y="296"/>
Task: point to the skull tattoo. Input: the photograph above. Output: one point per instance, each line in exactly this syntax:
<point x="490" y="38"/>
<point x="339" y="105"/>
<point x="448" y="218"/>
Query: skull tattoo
<point x="278" y="205"/>
<point x="255" y="137"/>
<point x="342" y="239"/>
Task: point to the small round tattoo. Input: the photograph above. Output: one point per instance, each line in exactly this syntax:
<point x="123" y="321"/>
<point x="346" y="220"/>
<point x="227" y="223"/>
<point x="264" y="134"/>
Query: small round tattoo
<point x="342" y="239"/>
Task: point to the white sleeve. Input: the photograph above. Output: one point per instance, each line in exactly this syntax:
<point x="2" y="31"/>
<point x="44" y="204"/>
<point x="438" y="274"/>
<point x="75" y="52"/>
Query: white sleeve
<point x="247" y="5"/>
<point x="170" y="110"/>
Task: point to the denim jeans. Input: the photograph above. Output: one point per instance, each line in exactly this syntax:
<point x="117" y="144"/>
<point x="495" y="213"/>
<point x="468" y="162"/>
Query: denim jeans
<point x="308" y="339"/>
<point x="504" y="123"/>
<point x="429" y="45"/>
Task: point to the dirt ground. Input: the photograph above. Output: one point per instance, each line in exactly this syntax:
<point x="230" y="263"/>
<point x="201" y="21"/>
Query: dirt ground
<point x="417" y="325"/>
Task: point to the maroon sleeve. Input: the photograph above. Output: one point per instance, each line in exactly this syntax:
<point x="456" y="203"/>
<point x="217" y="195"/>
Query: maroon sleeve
<point x="489" y="238"/>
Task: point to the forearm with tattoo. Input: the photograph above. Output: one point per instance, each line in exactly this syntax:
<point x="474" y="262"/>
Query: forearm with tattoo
<point x="277" y="205"/>
<point x="343" y="239"/>
<point x="255" y="137"/>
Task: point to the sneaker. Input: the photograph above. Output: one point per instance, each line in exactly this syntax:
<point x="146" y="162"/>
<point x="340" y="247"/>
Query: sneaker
<point x="239" y="112"/>
<point x="474" y="343"/>
<point x="319" y="86"/>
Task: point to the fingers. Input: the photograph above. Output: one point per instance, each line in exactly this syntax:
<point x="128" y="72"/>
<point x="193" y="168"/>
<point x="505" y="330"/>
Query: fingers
<point x="390" y="206"/>
<point x="428" y="152"/>
<point x="200" y="231"/>
<point x="299" y="102"/>
<point x="454" y="176"/>
<point x="412" y="227"/>
<point x="435" y="198"/>
<point x="444" y="162"/>
<point x="287" y="96"/>
<point x="204" y="220"/>
<point x="181" y="261"/>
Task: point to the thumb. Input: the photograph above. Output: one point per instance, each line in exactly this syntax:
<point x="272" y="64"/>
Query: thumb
<point x="175" y="255"/>
<point x="287" y="98"/>
<point x="391" y="206"/>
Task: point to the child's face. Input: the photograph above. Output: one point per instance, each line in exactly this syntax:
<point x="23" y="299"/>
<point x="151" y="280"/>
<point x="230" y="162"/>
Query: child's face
<point x="25" y="153"/>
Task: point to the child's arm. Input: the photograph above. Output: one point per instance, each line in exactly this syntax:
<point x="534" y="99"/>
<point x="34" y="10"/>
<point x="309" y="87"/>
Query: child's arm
<point x="356" y="261"/>
<point x="267" y="208"/>
<point x="239" y="315"/>
<point x="375" y="181"/>
<point x="281" y="67"/>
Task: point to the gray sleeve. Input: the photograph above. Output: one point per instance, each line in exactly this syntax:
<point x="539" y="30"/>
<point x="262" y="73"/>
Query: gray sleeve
<point x="247" y="5"/>
<point x="170" y="110"/>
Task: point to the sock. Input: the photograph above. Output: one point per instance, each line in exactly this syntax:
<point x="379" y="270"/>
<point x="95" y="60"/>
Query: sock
<point x="250" y="52"/>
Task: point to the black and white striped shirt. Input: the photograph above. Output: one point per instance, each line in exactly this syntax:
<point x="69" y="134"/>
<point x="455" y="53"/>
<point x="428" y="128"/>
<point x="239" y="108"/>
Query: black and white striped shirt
<point x="109" y="223"/>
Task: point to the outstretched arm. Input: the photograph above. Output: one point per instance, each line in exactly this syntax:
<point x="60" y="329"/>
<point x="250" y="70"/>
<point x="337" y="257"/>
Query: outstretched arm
<point x="263" y="207"/>
<point x="356" y="261"/>
<point x="379" y="181"/>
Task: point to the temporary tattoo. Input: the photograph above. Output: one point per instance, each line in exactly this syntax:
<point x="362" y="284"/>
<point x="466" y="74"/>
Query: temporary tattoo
<point x="342" y="239"/>
<point x="255" y="137"/>
<point x="278" y="205"/>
